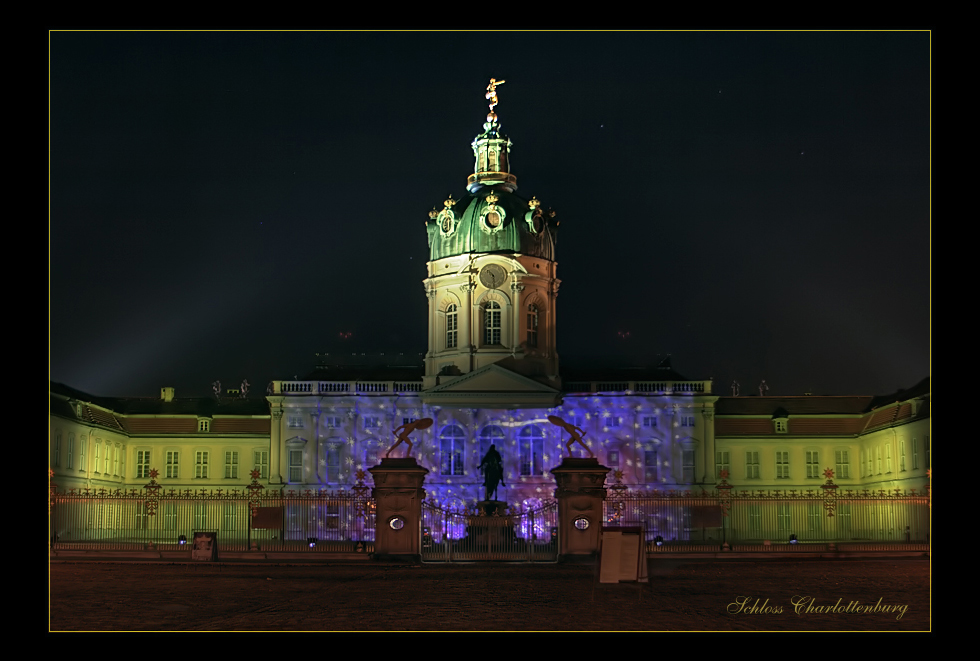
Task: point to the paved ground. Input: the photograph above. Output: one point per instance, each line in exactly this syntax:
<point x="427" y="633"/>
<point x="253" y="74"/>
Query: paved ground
<point x="681" y="595"/>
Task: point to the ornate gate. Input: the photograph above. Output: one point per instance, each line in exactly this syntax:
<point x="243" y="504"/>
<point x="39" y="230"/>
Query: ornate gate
<point x="471" y="536"/>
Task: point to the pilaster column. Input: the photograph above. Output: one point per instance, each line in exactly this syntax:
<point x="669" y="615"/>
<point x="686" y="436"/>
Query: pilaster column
<point x="315" y="417"/>
<point x="465" y="318"/>
<point x="708" y="472"/>
<point x="275" y="442"/>
<point x="674" y="451"/>
<point x="516" y="288"/>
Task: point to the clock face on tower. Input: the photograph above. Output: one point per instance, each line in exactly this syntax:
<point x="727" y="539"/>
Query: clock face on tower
<point x="492" y="276"/>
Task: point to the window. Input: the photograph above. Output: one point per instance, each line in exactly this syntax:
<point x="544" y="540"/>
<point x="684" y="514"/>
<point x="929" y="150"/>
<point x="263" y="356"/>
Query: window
<point x="915" y="453"/>
<point x="491" y="323"/>
<point x="752" y="465"/>
<point x="928" y="465"/>
<point x="490" y="435"/>
<point x="651" y="465"/>
<point x="57" y="450"/>
<point x="780" y="426"/>
<point x="888" y="457"/>
<point x="173" y="463"/>
<point x="901" y="455"/>
<point x="812" y="464"/>
<point x="107" y="464"/>
<point x="843" y="518"/>
<point x="71" y="450"/>
<point x="295" y="422"/>
<point x="231" y="465"/>
<point x="230" y="516"/>
<point x="783" y="519"/>
<point x="98" y="455"/>
<point x="372" y="422"/>
<point x="531" y="441"/>
<point x="81" y="454"/>
<point x="295" y="466"/>
<point x="722" y="462"/>
<point x="650" y="422"/>
<point x="687" y="421"/>
<point x="532" y="326"/>
<point x="687" y="466"/>
<point x="611" y="421"/>
<point x="452" y="326"/>
<point x="813" y="517"/>
<point x="260" y="460"/>
<point x="612" y="458"/>
<point x="878" y="458"/>
<point x="115" y="459"/>
<point x="451" y="450"/>
<point x="170" y="516"/>
<point x="871" y="468"/>
<point x="203" y="425"/>
<point x="842" y="467"/>
<point x="143" y="464"/>
<point x="122" y="462"/>
<point x="333" y="463"/>
<point x="331" y="422"/>
<point x="201" y="465"/>
<point x="782" y="465"/>
<point x="200" y="516"/>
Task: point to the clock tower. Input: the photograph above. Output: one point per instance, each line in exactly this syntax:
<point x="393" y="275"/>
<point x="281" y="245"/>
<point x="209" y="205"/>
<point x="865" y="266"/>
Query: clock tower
<point x="491" y="282"/>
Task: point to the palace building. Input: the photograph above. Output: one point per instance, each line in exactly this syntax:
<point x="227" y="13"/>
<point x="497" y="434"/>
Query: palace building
<point x="491" y="375"/>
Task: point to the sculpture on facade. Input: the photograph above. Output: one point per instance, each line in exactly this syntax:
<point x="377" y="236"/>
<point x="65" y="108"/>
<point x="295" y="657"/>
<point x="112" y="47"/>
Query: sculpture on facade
<point x="763" y="388"/>
<point x="492" y="468"/>
<point x="244" y="389"/>
<point x="734" y="388"/>
<point x="216" y="387"/>
<point x="576" y="433"/>
<point x="401" y="433"/>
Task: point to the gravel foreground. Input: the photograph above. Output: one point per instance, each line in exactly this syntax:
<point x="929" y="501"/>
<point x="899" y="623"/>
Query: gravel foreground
<point x="879" y="594"/>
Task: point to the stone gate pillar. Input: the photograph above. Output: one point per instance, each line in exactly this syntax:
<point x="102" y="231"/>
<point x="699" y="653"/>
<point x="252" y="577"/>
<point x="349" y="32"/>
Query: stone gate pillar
<point x="398" y="495"/>
<point x="580" y="493"/>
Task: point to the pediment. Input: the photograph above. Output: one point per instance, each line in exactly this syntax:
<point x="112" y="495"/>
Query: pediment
<point x="493" y="386"/>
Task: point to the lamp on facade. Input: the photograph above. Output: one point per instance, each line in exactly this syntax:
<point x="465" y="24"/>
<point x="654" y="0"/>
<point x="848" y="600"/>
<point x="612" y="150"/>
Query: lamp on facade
<point x="312" y="542"/>
<point x="793" y="539"/>
<point x="658" y="540"/>
<point x="182" y="540"/>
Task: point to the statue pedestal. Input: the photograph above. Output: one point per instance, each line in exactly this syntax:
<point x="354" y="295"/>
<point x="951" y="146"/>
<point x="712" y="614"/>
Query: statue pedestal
<point x="580" y="493"/>
<point x="398" y="494"/>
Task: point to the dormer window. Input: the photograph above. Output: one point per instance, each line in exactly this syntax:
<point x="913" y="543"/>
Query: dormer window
<point x="780" y="421"/>
<point x="203" y="425"/>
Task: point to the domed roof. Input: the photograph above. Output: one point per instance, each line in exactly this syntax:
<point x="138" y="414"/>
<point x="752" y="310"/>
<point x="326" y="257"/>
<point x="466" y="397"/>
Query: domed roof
<point x="491" y="217"/>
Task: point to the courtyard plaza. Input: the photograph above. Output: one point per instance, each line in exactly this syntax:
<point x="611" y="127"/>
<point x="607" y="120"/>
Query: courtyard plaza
<point x="856" y="594"/>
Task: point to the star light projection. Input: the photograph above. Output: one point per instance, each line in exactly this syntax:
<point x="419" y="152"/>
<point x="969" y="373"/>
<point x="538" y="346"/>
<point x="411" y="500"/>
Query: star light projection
<point x="614" y="424"/>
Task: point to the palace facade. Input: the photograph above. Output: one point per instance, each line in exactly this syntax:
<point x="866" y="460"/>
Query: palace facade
<point x="491" y="376"/>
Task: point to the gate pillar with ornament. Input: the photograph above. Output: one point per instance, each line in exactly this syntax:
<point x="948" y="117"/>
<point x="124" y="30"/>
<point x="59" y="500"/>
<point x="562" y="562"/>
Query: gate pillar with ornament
<point x="580" y="494"/>
<point x="398" y="496"/>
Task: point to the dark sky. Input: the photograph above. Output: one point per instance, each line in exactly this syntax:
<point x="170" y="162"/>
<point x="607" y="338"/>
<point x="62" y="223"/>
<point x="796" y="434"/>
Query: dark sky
<point x="224" y="205"/>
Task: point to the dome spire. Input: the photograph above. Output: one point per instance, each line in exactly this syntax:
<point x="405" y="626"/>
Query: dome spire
<point x="491" y="149"/>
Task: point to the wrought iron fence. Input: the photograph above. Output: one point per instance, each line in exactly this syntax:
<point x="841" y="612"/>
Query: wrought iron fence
<point x="525" y="535"/>
<point x="789" y="517"/>
<point x="314" y="521"/>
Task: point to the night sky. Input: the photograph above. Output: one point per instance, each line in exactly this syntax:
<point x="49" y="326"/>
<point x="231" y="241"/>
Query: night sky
<point x="226" y="205"/>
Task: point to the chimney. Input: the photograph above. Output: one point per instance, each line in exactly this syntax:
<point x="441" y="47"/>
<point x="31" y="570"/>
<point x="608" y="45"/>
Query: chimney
<point x="167" y="394"/>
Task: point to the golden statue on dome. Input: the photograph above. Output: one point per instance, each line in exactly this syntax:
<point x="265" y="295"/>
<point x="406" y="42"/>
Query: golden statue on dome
<point x="492" y="96"/>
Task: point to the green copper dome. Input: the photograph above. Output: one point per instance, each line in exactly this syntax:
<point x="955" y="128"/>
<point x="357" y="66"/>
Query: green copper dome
<point x="491" y="217"/>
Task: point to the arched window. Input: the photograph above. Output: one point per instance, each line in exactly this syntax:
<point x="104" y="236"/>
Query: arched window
<point x="451" y="326"/>
<point x="490" y="435"/>
<point x="532" y="325"/>
<point x="491" y="323"/>
<point x="451" y="450"/>
<point x="531" y="441"/>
